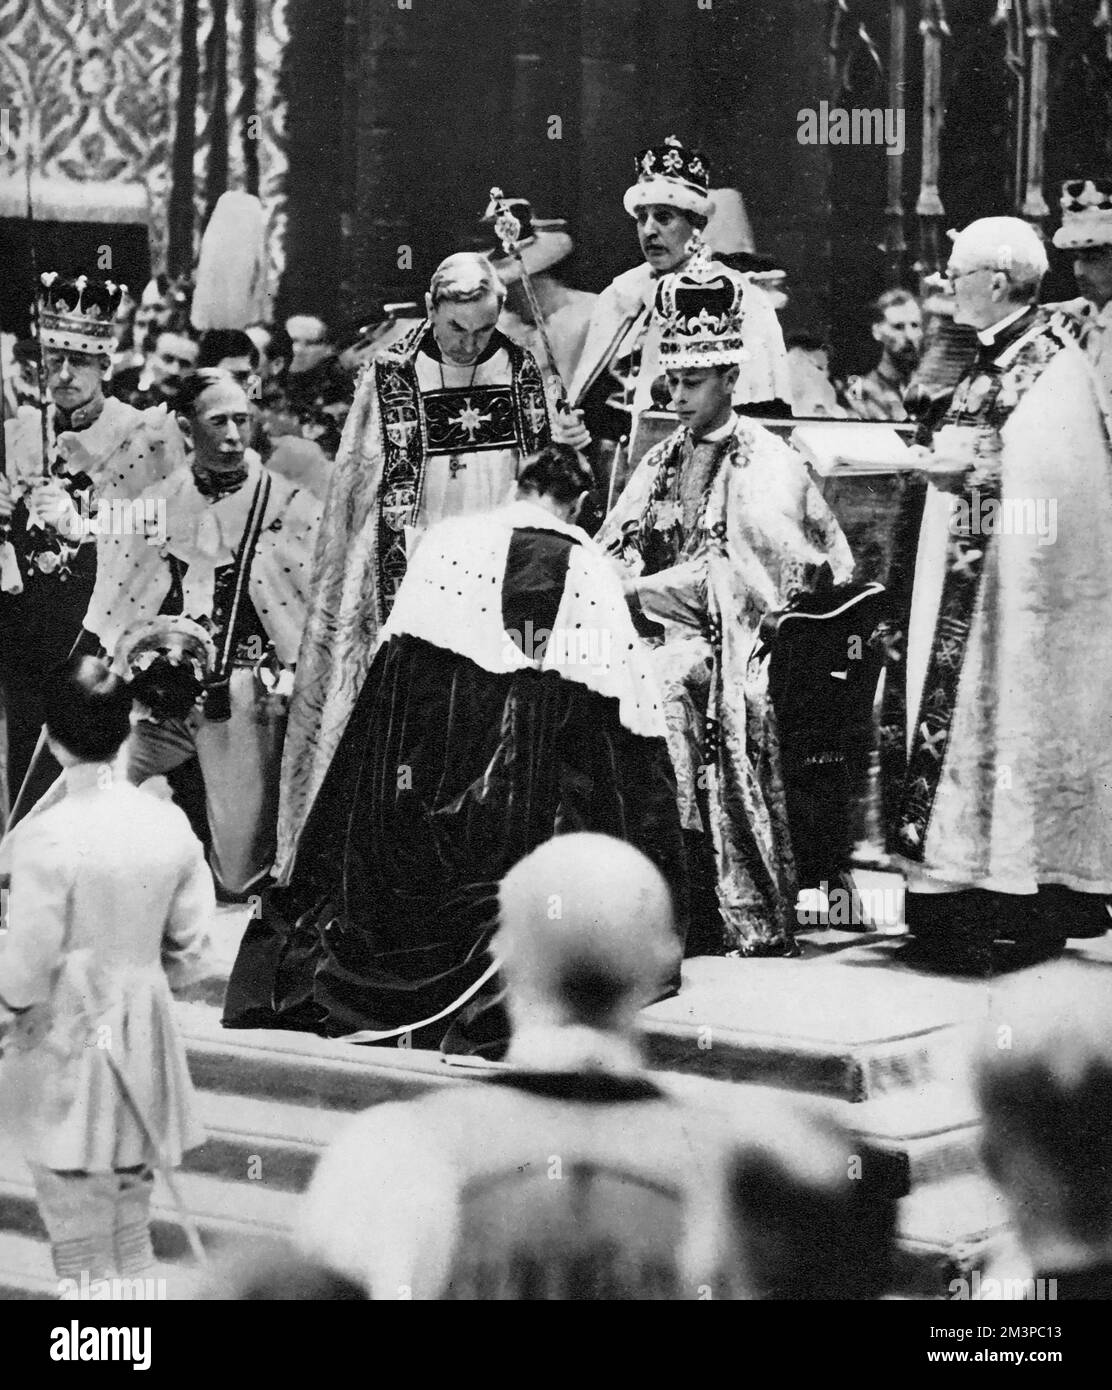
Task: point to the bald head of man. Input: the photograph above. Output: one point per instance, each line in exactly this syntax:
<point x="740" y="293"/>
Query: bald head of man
<point x="587" y="934"/>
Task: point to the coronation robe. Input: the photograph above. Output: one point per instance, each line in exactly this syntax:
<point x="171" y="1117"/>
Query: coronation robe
<point x="997" y="732"/>
<point x="715" y="535"/>
<point x="424" y="441"/>
<point x="509" y="700"/>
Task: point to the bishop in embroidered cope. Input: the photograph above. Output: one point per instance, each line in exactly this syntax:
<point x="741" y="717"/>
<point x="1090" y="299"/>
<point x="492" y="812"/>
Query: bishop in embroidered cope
<point x="997" y="731"/>
<point x="438" y="429"/>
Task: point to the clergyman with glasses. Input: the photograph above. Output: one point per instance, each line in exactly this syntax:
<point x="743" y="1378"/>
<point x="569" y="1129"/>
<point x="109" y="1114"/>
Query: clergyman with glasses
<point x="997" y="731"/>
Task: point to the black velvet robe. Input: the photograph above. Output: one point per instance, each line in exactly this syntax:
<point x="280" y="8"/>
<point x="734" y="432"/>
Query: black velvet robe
<point x="447" y="775"/>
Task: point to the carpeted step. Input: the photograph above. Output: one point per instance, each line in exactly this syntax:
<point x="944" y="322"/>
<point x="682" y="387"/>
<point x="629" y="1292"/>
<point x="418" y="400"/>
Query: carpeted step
<point x="262" y="1140"/>
<point x="947" y="1230"/>
<point x="303" y="1069"/>
<point x="847" y="1028"/>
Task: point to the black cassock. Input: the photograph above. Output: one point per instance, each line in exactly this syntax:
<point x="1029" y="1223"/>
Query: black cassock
<point x="447" y="775"/>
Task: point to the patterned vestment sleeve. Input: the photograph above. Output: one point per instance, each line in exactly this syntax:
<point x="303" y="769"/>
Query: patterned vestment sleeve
<point x="341" y="622"/>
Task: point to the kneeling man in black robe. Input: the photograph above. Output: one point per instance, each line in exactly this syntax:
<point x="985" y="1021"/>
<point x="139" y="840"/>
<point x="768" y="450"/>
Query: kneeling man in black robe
<point x="509" y="700"/>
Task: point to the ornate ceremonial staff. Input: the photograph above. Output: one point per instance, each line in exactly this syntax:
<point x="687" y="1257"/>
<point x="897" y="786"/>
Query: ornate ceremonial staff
<point x="933" y="28"/>
<point x="508" y="230"/>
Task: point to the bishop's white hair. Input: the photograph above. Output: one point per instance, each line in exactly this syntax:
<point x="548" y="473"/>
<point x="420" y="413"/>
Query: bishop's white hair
<point x="1007" y="244"/>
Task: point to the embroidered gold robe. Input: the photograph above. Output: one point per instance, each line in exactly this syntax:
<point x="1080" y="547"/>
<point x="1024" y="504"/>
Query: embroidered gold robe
<point x="716" y="536"/>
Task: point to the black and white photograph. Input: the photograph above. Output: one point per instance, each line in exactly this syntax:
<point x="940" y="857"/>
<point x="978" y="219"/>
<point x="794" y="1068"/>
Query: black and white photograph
<point x="556" y="662"/>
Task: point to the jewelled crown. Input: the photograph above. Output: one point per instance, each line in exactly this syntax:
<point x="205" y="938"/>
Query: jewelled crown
<point x="1086" y="214"/>
<point x="672" y="175"/>
<point x="78" y="315"/>
<point x="701" y="314"/>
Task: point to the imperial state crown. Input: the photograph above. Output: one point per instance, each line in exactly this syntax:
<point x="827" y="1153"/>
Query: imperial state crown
<point x="701" y="314"/>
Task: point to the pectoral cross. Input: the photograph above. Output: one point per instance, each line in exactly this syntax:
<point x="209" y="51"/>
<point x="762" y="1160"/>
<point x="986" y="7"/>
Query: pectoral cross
<point x="456" y="465"/>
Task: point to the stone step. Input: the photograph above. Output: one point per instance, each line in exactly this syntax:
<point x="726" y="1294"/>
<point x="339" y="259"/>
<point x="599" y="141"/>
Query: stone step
<point x="933" y="1133"/>
<point x="773" y="1022"/>
<point x="932" y="1129"/>
<point x="930" y="1137"/>
<point x="849" y="1021"/>
<point x="722" y="1025"/>
<point x="780" y="1023"/>
<point x="223" y="1211"/>
<point x="232" y="1212"/>
<point x="268" y="1141"/>
<point x="261" y="1151"/>
<point x="304" y="1069"/>
<point x="853" y="1031"/>
<point x="946" y="1231"/>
